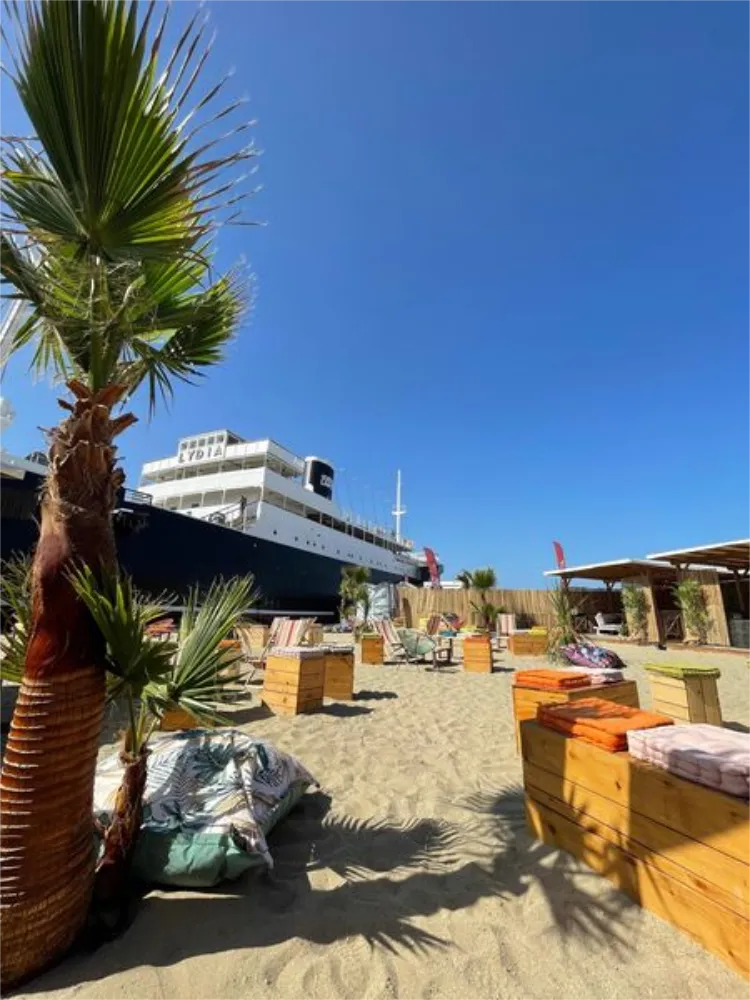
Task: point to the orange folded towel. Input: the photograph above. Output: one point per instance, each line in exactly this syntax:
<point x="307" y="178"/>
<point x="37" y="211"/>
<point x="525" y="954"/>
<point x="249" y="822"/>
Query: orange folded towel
<point x="552" y="680"/>
<point x="594" y="720"/>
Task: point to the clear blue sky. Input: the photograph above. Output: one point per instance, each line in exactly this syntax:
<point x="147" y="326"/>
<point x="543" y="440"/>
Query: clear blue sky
<point x="507" y="252"/>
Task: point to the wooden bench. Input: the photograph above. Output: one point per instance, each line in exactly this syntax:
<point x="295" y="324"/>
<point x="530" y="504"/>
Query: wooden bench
<point x="679" y="849"/>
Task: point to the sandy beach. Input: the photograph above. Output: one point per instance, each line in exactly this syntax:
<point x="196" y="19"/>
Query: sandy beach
<point x="410" y="873"/>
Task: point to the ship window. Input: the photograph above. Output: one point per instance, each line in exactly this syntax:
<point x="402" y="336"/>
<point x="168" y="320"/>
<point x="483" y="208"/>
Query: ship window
<point x="201" y="442"/>
<point x="275" y="531"/>
<point x="210" y="440"/>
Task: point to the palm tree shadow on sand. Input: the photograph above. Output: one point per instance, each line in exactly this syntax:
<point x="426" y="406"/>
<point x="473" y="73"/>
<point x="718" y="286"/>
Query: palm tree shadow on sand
<point x="336" y="877"/>
<point x="524" y="862"/>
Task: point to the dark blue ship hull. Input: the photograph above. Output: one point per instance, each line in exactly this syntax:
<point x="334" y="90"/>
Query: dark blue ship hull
<point x="165" y="551"/>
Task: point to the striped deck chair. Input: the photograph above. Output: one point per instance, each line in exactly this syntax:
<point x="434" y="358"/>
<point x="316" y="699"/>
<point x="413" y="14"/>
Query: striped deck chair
<point x="277" y="634"/>
<point x="394" y="647"/>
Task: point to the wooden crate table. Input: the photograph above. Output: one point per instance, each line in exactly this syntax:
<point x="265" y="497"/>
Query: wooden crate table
<point x="527" y="644"/>
<point x="339" y="673"/>
<point x="526" y="700"/>
<point x="294" y="680"/>
<point x="372" y="650"/>
<point x="477" y="653"/>
<point x="679" y="849"/>
<point x="685" y="692"/>
<point x="175" y="719"/>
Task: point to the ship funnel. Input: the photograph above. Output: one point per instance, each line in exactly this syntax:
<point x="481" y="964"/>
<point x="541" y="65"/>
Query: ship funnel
<point x="319" y="477"/>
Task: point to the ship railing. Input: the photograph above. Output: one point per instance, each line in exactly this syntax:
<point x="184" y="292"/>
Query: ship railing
<point x="236" y="515"/>
<point x="137" y="496"/>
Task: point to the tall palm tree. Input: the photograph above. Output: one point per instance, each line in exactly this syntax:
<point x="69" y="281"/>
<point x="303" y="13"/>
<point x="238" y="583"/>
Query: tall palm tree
<point x="109" y="213"/>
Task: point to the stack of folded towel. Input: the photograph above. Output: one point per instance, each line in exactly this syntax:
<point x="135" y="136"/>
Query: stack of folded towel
<point x="594" y="720"/>
<point x="711" y="755"/>
<point x="552" y="680"/>
<point x="598" y="676"/>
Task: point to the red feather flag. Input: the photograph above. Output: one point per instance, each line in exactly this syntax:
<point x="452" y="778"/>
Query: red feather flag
<point x="559" y="555"/>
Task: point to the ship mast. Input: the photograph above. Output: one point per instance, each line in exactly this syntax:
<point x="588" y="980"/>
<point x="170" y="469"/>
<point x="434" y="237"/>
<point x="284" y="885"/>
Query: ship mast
<point x="398" y="511"/>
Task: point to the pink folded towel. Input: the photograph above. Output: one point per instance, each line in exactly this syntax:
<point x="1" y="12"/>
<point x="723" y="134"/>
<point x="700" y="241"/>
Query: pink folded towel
<point x="599" y="676"/>
<point x="711" y="755"/>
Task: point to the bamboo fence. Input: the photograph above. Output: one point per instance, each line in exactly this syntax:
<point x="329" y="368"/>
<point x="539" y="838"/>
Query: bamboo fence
<point x="532" y="607"/>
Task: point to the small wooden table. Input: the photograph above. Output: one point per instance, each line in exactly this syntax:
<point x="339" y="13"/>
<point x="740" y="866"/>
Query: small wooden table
<point x="371" y="650"/>
<point x="478" y="654"/>
<point x="526" y="700"/>
<point x="685" y="692"/>
<point x="526" y="644"/>
<point x="294" y="680"/>
<point x="339" y="673"/>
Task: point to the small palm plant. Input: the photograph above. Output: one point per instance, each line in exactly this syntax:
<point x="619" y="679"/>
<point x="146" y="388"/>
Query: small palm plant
<point x="635" y="606"/>
<point x="484" y="580"/>
<point x="691" y="601"/>
<point x="563" y="631"/>
<point x="152" y="677"/>
<point x="353" y="592"/>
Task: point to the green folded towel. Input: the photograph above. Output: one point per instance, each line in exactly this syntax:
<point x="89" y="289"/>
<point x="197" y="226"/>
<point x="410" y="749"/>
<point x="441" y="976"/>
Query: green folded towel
<point x="682" y="670"/>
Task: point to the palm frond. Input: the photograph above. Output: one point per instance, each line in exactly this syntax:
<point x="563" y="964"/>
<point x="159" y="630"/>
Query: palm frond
<point x="15" y="589"/>
<point x="183" y="336"/>
<point x="110" y="208"/>
<point x="484" y="579"/>
<point x="132" y="656"/>
<point x="116" y="177"/>
<point x="199" y="675"/>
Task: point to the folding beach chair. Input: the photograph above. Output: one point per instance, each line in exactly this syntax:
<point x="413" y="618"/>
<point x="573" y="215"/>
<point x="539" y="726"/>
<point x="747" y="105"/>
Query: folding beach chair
<point x="276" y="636"/>
<point x="394" y="648"/>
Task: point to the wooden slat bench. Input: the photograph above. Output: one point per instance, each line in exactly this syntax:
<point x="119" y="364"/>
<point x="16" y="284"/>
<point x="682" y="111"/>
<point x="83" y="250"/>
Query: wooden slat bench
<point x="679" y="849"/>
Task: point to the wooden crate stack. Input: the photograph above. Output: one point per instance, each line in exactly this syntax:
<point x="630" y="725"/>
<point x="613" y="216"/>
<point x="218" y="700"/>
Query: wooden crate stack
<point x="526" y="700"/>
<point x="477" y="654"/>
<point x="294" y="680"/>
<point x="685" y="692"/>
<point x="339" y="673"/>
<point x="372" y="650"/>
<point x="679" y="849"/>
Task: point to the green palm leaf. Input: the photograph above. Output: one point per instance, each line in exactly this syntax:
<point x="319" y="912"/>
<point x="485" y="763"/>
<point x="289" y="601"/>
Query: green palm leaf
<point x="15" y="588"/>
<point x="199" y="676"/>
<point x="110" y="209"/>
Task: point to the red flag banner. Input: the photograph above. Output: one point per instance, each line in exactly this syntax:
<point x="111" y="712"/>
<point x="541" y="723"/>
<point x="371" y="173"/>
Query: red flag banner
<point x="432" y="565"/>
<point x="559" y="555"/>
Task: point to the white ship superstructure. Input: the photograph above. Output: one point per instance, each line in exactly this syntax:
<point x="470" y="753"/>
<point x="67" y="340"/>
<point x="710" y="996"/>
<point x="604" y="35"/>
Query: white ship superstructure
<point x="262" y="489"/>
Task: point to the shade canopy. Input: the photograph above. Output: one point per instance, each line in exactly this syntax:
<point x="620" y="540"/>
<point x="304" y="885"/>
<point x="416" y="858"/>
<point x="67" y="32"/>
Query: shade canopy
<point x="614" y="571"/>
<point x="721" y="555"/>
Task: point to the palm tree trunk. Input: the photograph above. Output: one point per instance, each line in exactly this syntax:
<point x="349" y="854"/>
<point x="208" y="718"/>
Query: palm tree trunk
<point x="47" y="853"/>
<point x="113" y="869"/>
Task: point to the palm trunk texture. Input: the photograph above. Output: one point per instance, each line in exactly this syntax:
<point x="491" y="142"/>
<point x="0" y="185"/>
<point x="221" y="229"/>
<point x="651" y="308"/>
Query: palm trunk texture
<point x="111" y="883"/>
<point x="47" y="853"/>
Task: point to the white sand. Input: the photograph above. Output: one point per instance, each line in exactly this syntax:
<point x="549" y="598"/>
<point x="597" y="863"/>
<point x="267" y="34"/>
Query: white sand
<point x="410" y="874"/>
